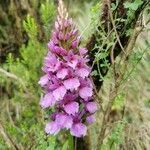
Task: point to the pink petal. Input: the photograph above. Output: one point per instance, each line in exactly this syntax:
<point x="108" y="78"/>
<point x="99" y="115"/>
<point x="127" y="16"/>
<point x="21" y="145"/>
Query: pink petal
<point x="72" y="108"/>
<point x="56" y="25"/>
<point x="75" y="32"/>
<point x="82" y="72"/>
<point x="75" y="44"/>
<point x="90" y="119"/>
<point x="85" y="92"/>
<point x="73" y="63"/>
<point x="61" y="35"/>
<point x="47" y="101"/>
<point x="67" y="36"/>
<point x="51" y="45"/>
<point x="78" y="130"/>
<point x="50" y="60"/>
<point x="64" y="121"/>
<point x="62" y="73"/>
<point x="86" y="82"/>
<point x="54" y="38"/>
<point x="70" y="96"/>
<point x="83" y="51"/>
<point x="63" y="52"/>
<point x="72" y="84"/>
<point x="68" y="123"/>
<point x="59" y="93"/>
<point x="57" y="49"/>
<point x="52" y="128"/>
<point x="91" y="107"/>
<point x="43" y="80"/>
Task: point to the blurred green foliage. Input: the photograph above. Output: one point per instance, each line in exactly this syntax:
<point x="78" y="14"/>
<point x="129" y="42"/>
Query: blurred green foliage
<point x="24" y="120"/>
<point x="118" y="102"/>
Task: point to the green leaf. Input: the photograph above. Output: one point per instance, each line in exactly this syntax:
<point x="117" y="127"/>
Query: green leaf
<point x="70" y="142"/>
<point x="147" y="103"/>
<point x="52" y="143"/>
<point x="65" y="146"/>
<point x="119" y="102"/>
<point x="133" y="6"/>
<point x="47" y="12"/>
<point x="114" y="6"/>
<point x="129" y="32"/>
<point x="94" y="73"/>
<point x="51" y="147"/>
<point x="30" y="26"/>
<point x="116" y="136"/>
<point x="95" y="8"/>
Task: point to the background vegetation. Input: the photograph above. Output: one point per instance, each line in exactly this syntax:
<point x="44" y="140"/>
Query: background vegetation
<point x="117" y="36"/>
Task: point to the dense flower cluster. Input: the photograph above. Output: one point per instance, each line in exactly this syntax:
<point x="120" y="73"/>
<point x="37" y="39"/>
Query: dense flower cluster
<point x="68" y="88"/>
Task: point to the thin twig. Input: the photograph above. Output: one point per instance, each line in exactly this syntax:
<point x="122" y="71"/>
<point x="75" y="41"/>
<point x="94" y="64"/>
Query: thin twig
<point x="113" y="61"/>
<point x="112" y="53"/>
<point x="10" y="75"/>
<point x="75" y="143"/>
<point x="8" y="112"/>
<point x="132" y="41"/>
<point x="113" y="94"/>
<point x="7" y="139"/>
<point x="13" y="76"/>
<point x="114" y="26"/>
<point x="104" y="42"/>
<point x="97" y="97"/>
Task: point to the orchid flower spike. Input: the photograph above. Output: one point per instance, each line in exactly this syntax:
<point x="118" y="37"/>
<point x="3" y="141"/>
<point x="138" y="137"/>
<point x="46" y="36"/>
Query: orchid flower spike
<point x="66" y="82"/>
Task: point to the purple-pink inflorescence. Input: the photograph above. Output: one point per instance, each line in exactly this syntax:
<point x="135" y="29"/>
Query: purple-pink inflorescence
<point x="68" y="88"/>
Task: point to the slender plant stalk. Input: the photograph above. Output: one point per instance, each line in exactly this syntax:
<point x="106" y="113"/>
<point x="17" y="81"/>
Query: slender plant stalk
<point x="115" y="89"/>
